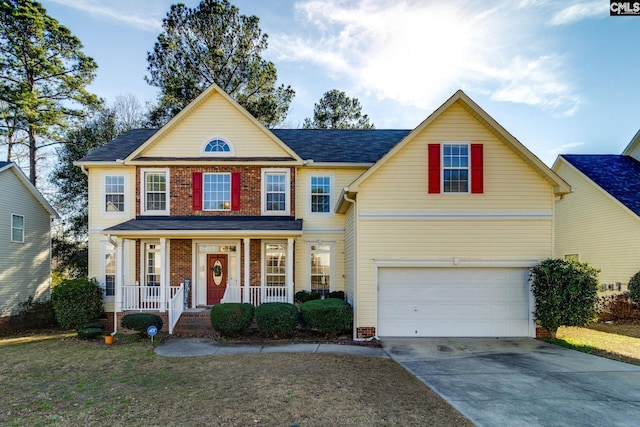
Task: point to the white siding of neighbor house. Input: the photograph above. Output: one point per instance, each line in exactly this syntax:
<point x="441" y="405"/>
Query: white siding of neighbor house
<point x="25" y="268"/>
<point x="592" y="224"/>
<point x="214" y="118"/>
<point x="397" y="218"/>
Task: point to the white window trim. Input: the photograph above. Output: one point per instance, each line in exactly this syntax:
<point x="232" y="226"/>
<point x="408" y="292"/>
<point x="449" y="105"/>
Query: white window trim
<point x="203" y="191"/>
<point x="24" y="227"/>
<point x="263" y="193"/>
<point x="103" y="195"/>
<point x="263" y="259"/>
<point x="331" y="177"/>
<point x="106" y="247"/>
<point x="332" y="264"/>
<point x="143" y="192"/>
<point x="442" y="167"/>
<point x="230" y="153"/>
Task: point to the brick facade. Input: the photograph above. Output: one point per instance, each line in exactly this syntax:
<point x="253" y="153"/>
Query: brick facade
<point x="180" y="190"/>
<point x="365" y="332"/>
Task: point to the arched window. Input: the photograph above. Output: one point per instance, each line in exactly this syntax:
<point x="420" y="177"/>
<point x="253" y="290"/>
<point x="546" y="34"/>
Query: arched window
<point x="218" y="147"/>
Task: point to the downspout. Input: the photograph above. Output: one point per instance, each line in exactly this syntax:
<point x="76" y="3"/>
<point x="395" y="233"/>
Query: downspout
<point x="345" y="196"/>
<point x="115" y="303"/>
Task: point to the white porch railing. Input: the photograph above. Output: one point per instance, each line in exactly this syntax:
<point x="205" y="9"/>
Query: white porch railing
<point x="257" y="294"/>
<point x="176" y="307"/>
<point x="143" y="298"/>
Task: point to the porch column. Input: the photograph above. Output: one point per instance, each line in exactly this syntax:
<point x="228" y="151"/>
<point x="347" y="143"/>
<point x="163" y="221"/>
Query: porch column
<point x="290" y="270"/>
<point x="117" y="304"/>
<point x="163" y="274"/>
<point x="247" y="269"/>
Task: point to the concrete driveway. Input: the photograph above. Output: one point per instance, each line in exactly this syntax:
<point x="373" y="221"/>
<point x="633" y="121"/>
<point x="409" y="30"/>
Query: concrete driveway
<point x="522" y="382"/>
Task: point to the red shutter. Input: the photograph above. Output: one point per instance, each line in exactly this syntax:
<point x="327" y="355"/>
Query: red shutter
<point x="434" y="168"/>
<point x="477" y="172"/>
<point x="235" y="191"/>
<point x="196" y="191"/>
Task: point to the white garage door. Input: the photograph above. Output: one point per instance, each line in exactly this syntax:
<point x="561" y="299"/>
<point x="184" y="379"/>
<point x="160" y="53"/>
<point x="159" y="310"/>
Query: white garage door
<point x="453" y="302"/>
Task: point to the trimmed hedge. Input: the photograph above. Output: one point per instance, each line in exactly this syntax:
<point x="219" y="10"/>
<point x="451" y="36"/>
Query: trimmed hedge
<point x="277" y="318"/>
<point x="89" y="333"/>
<point x="141" y="321"/>
<point x="76" y="301"/>
<point x="304" y="296"/>
<point x="232" y="319"/>
<point x="329" y="315"/>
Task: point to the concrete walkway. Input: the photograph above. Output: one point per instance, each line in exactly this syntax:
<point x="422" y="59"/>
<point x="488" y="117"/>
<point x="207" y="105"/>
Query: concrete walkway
<point x="522" y="382"/>
<point x="183" y="347"/>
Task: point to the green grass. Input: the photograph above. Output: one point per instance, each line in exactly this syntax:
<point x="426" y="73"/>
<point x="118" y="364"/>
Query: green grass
<point x="617" y="342"/>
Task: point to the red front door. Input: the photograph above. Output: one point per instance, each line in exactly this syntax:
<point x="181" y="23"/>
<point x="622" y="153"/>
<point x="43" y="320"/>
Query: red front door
<point x="216" y="277"/>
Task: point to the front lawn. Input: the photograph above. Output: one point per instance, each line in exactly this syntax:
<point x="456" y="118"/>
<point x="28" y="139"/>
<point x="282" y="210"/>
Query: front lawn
<point x="63" y="381"/>
<point x="614" y="341"/>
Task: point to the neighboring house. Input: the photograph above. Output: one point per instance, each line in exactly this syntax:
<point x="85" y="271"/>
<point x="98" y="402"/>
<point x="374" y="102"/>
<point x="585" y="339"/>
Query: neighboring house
<point x="25" y="233"/>
<point x="430" y="232"/>
<point x="599" y="221"/>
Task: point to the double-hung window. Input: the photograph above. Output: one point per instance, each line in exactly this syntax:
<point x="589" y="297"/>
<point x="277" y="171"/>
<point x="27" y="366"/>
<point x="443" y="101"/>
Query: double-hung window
<point x="155" y="187"/>
<point x="455" y="168"/>
<point x="109" y="270"/>
<point x="17" y="228"/>
<point x="276" y="264"/>
<point x="320" y="191"/>
<point x="320" y="268"/>
<point x="275" y="192"/>
<point x="114" y="193"/>
<point x="217" y="191"/>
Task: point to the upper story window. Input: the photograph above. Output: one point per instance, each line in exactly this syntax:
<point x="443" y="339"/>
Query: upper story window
<point x="218" y="147"/>
<point x="217" y="191"/>
<point x="275" y="192"/>
<point x="17" y="228"/>
<point x="320" y="194"/>
<point x="155" y="192"/>
<point x="455" y="168"/>
<point x="114" y="193"/>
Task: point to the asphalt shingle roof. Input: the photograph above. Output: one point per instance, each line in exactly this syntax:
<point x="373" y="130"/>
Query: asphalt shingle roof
<point x="120" y="147"/>
<point x="618" y="175"/>
<point x="210" y="223"/>
<point x="3" y="164"/>
<point x="319" y="145"/>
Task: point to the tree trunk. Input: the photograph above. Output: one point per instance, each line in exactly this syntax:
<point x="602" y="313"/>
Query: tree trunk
<point x="552" y="333"/>
<point x="32" y="155"/>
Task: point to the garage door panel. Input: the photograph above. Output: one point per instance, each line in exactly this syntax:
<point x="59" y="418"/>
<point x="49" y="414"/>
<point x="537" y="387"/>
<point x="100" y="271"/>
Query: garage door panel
<point x="453" y="302"/>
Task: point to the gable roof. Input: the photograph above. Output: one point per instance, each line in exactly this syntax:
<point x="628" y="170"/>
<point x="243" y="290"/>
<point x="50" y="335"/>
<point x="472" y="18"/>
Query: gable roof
<point x="319" y="145"/>
<point x="559" y="185"/>
<point x="10" y="166"/>
<point x="632" y="144"/>
<point x="618" y="175"/>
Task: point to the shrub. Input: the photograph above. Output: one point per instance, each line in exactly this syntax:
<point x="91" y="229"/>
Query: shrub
<point x="615" y="307"/>
<point x="89" y="333"/>
<point x="634" y="288"/>
<point x="232" y="319"/>
<point x="141" y="321"/>
<point x="36" y="314"/>
<point x="566" y="293"/>
<point x="328" y="315"/>
<point x="336" y="294"/>
<point x="304" y="296"/>
<point x="77" y="301"/>
<point x="277" y="318"/>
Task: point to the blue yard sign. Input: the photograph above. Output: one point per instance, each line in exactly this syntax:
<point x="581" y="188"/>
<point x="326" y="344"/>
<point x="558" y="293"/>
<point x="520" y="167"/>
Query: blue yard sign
<point x="151" y="331"/>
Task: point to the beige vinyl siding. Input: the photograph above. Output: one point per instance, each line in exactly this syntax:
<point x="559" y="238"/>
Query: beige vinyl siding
<point x="350" y="254"/>
<point x="214" y="118"/>
<point x="591" y="223"/>
<point x="635" y="152"/>
<point x="25" y="268"/>
<point x="400" y="186"/>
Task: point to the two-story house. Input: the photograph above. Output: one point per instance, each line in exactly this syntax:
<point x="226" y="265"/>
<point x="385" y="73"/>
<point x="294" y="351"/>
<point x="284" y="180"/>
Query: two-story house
<point x="430" y="231"/>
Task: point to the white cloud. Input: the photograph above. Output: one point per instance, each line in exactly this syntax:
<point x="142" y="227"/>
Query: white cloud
<point x="418" y="52"/>
<point x="563" y="148"/>
<point x="123" y="15"/>
<point x="580" y="11"/>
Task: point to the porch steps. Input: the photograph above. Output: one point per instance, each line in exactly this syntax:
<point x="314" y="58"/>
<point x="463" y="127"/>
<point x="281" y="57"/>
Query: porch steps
<point x="194" y="322"/>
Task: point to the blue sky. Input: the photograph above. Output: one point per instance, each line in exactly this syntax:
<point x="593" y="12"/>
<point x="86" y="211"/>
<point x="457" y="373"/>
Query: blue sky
<point x="561" y="76"/>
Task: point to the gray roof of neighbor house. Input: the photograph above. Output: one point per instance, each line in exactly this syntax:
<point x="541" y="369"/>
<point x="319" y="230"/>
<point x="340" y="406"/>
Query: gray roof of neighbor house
<point x="618" y="175"/>
<point x="210" y="223"/>
<point x="319" y="145"/>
